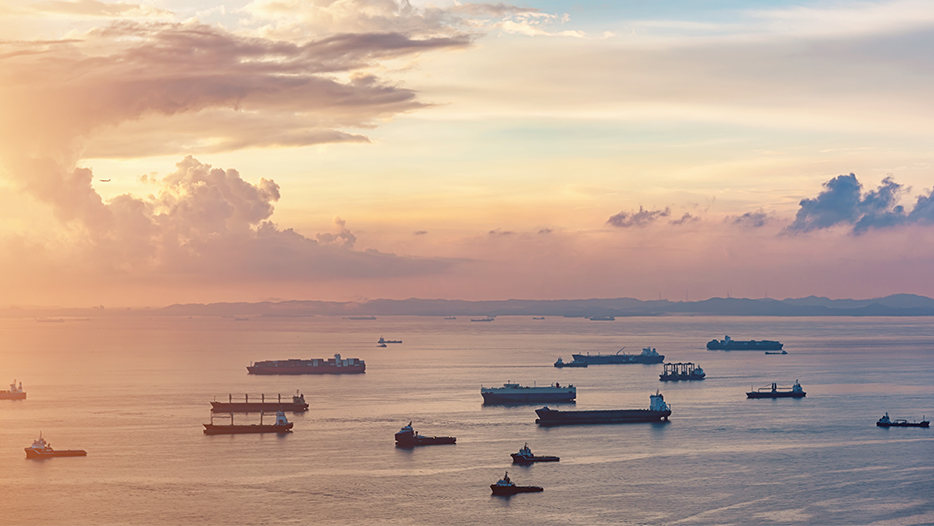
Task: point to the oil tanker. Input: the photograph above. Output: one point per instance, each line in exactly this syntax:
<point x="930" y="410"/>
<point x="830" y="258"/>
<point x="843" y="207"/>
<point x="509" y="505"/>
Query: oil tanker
<point x="649" y="355"/>
<point x="658" y="410"/>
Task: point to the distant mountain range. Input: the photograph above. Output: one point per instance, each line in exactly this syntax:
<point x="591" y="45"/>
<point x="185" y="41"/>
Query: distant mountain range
<point x="894" y="305"/>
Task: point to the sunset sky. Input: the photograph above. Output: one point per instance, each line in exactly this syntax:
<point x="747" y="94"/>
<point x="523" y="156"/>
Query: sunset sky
<point x="167" y="151"/>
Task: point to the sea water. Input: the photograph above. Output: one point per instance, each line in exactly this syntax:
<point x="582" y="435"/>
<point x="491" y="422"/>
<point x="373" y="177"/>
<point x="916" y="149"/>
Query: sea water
<point x="135" y="391"/>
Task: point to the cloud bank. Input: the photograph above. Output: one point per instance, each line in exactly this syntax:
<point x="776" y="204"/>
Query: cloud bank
<point x="842" y="201"/>
<point x="638" y="219"/>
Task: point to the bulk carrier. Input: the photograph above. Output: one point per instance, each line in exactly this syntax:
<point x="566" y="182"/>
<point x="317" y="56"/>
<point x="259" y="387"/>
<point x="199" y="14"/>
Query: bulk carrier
<point x="658" y="410"/>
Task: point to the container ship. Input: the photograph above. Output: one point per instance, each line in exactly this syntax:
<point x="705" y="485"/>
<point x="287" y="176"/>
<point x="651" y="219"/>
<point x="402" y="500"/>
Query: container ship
<point x="511" y="393"/>
<point x="649" y="355"/>
<point x="295" y="405"/>
<point x="729" y="344"/>
<point x="658" y="410"/>
<point x="336" y="365"/>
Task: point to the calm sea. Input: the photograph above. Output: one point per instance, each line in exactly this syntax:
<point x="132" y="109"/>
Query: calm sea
<point x="134" y="392"/>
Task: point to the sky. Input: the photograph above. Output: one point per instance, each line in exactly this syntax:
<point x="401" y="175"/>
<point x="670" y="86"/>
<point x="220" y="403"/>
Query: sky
<point x="172" y="152"/>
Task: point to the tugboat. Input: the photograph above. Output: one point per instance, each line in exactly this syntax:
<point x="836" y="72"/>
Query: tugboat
<point x="525" y="456"/>
<point x="775" y="391"/>
<point x="281" y="426"/>
<point x="885" y="421"/>
<point x="504" y="486"/>
<point x="15" y="393"/>
<point x="42" y="449"/>
<point x="408" y="437"/>
<point x="575" y="363"/>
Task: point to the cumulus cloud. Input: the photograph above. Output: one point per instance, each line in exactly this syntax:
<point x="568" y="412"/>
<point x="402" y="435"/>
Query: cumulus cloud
<point x="94" y="8"/>
<point x="342" y="238"/>
<point x="755" y="219"/>
<point x="639" y="219"/>
<point x="686" y="218"/>
<point x="842" y="201"/>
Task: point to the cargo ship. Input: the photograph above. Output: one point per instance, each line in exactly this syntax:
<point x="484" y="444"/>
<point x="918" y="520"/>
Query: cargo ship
<point x="729" y="344"/>
<point x="885" y="421"/>
<point x="42" y="449"/>
<point x="381" y="340"/>
<point x="295" y="405"/>
<point x="649" y="355"/>
<point x="336" y="365"/>
<point x="775" y="391"/>
<point x="408" y="437"/>
<point x="681" y="371"/>
<point x="281" y="426"/>
<point x="511" y="393"/>
<point x="658" y="411"/>
<point x="525" y="456"/>
<point x="15" y="393"/>
<point x="505" y="486"/>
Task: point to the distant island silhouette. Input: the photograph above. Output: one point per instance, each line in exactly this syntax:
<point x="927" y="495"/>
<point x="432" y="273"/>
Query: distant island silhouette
<point x="894" y="305"/>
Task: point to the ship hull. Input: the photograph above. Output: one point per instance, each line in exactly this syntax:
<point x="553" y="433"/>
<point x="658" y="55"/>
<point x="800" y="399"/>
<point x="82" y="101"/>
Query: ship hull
<point x="749" y="345"/>
<point x="519" y="459"/>
<point x="320" y="369"/>
<point x="212" y="429"/>
<point x="61" y="453"/>
<point x="551" y="417"/>
<point x="679" y="377"/>
<point x="527" y="398"/>
<point x="6" y="395"/>
<point x="256" y="407"/>
<point x="512" y="490"/>
<point x="601" y="359"/>
<point x="424" y="441"/>
<point x="775" y="395"/>
<point x="571" y="364"/>
<point x="904" y="424"/>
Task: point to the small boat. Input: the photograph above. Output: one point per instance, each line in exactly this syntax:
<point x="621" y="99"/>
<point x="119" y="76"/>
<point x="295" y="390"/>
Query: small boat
<point x="602" y="318"/>
<point x="538" y="317"/>
<point x="15" y="393"/>
<point x="408" y="437"/>
<point x="450" y="317"/>
<point x="505" y="486"/>
<point x="381" y="340"/>
<point x="885" y="421"/>
<point x="42" y="449"/>
<point x="775" y="391"/>
<point x="525" y="456"/>
<point x="281" y="426"/>
<point x="483" y="319"/>
<point x="381" y="345"/>
<point x="776" y="352"/>
<point x="574" y="363"/>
